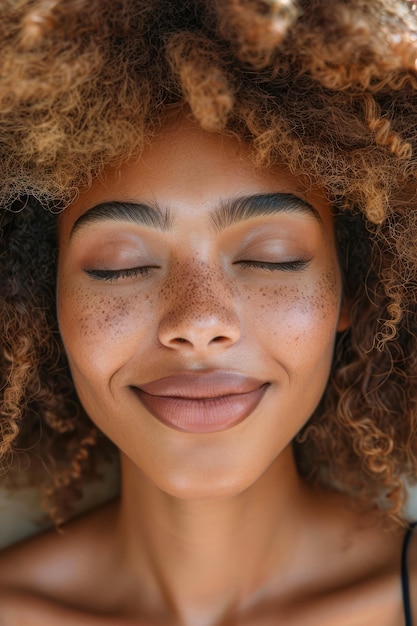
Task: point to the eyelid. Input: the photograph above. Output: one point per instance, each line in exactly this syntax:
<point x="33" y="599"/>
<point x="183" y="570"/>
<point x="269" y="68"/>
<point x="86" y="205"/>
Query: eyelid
<point x="124" y="247"/>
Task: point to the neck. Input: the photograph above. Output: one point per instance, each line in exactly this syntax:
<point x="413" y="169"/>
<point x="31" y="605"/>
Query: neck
<point x="210" y="557"/>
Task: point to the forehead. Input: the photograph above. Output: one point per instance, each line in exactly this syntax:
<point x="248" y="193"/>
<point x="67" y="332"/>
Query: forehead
<point x="187" y="167"/>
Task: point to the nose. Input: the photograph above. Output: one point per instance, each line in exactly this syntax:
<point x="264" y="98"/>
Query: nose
<point x="199" y="312"/>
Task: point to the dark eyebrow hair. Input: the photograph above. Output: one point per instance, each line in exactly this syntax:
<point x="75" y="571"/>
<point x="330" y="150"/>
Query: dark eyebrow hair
<point x="238" y="209"/>
<point x="116" y="211"/>
<point x="229" y="211"/>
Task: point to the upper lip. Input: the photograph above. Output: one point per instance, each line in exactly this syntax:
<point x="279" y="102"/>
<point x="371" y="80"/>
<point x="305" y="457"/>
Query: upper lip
<point x="194" y="386"/>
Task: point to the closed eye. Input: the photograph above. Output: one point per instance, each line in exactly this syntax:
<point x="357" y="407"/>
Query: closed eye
<point x="285" y="266"/>
<point x="114" y="275"/>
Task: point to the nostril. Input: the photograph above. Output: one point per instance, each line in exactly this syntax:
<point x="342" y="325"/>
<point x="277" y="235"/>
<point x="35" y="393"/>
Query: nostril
<point x="181" y="340"/>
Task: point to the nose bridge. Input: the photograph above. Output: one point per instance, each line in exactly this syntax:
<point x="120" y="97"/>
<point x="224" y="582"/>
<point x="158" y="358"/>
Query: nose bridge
<point x="198" y="305"/>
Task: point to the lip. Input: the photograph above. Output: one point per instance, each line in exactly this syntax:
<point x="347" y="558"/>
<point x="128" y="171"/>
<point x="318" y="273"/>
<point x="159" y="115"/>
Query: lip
<point x="202" y="403"/>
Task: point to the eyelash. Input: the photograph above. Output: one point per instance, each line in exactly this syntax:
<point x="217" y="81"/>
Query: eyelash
<point x="134" y="272"/>
<point x="113" y="275"/>
<point x="286" y="266"/>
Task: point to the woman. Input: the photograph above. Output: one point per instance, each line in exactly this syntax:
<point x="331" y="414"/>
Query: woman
<point x="235" y="274"/>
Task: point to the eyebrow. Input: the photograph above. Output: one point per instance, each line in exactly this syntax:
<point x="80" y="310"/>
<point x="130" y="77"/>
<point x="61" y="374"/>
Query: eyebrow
<point x="239" y="209"/>
<point x="228" y="212"/>
<point x="133" y="212"/>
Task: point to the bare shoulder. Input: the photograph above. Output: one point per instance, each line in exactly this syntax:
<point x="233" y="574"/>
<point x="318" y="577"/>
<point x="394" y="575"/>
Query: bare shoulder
<point x="57" y="561"/>
<point x="52" y="579"/>
<point x="361" y="573"/>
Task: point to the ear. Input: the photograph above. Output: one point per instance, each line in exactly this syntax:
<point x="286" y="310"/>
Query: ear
<point x="344" y="316"/>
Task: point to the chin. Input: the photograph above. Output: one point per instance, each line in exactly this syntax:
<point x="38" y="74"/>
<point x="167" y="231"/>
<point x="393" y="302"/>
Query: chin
<point x="193" y="479"/>
<point x="209" y="488"/>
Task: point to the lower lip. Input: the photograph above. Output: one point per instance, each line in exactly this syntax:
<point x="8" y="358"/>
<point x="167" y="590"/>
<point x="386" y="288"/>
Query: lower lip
<point x="206" y="415"/>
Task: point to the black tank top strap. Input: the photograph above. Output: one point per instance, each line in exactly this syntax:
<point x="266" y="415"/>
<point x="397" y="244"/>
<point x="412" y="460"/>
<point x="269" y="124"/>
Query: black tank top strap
<point x="404" y="575"/>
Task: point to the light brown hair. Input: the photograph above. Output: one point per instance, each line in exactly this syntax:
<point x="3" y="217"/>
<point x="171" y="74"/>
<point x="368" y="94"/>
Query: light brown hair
<point x="327" y="87"/>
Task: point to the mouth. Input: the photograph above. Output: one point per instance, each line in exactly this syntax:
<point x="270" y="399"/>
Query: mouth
<point x="202" y="403"/>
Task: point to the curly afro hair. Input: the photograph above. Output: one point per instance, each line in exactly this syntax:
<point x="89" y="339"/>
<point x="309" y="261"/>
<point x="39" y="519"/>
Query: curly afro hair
<point x="328" y="87"/>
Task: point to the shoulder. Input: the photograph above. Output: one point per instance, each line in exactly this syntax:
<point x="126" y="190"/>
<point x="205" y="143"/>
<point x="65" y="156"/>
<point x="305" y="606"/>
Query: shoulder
<point x="54" y="579"/>
<point x="57" y="562"/>
<point x="395" y="564"/>
<point x="361" y="570"/>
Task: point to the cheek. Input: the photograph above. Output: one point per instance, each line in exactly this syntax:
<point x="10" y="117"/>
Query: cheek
<point x="97" y="328"/>
<point x="298" y="320"/>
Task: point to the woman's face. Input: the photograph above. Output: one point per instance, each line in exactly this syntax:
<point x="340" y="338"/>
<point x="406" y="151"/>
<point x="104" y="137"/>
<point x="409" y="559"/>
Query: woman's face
<point x="198" y="301"/>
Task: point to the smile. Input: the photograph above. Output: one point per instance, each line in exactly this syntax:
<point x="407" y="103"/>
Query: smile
<point x="204" y="403"/>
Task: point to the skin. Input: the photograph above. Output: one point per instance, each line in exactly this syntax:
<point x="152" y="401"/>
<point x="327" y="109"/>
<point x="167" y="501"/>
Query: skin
<point x="212" y="529"/>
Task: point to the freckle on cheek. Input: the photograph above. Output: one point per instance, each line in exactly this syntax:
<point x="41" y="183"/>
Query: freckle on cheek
<point x="330" y="288"/>
<point x="91" y="315"/>
<point x="318" y="297"/>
